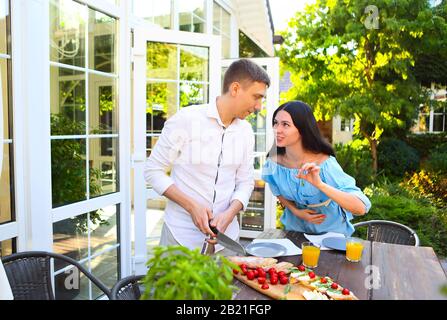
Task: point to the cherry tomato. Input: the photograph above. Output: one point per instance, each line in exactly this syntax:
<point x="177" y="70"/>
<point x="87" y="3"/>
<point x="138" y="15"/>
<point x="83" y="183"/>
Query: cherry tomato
<point x="283" y="280"/>
<point x="243" y="266"/>
<point x="271" y="270"/>
<point x="235" y="271"/>
<point x="274" y="280"/>
<point x="345" y="292"/>
<point x="250" y="275"/>
<point x="261" y="280"/>
<point x="302" y="268"/>
<point x="281" y="274"/>
<point x="311" y="275"/>
<point x="256" y="273"/>
<point x="265" y="286"/>
<point x="261" y="272"/>
<point x="323" y="280"/>
<point x="334" y="286"/>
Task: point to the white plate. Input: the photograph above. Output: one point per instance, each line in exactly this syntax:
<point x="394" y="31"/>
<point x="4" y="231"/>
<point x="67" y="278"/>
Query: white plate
<point x="266" y="249"/>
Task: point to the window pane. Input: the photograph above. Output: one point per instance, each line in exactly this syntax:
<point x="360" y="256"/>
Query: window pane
<point x="5" y="93"/>
<point x="226" y="23"/>
<point x="216" y="16"/>
<point x="103" y="163"/>
<point x="150" y="144"/>
<point x="249" y="49"/>
<point x="161" y="60"/>
<point x="193" y="93"/>
<point x="106" y="268"/>
<point x="6" y="186"/>
<point x="67" y="32"/>
<point x="161" y="103"/>
<point x="7" y="247"/>
<point x="67" y="101"/>
<point x="185" y="22"/>
<point x="102" y="39"/>
<point x="104" y="229"/>
<point x="70" y="238"/>
<point x="68" y="171"/>
<point x="199" y="25"/>
<point x="72" y="285"/>
<point x="197" y="7"/>
<point x="226" y="47"/>
<point x="194" y="63"/>
<point x="103" y="105"/>
<point x="253" y="217"/>
<point x="4" y="27"/>
<point x="438" y="122"/>
<point x="154" y="11"/>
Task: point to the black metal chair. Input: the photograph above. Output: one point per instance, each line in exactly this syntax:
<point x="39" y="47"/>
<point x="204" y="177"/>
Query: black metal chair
<point x="128" y="288"/>
<point x="29" y="274"/>
<point x="389" y="232"/>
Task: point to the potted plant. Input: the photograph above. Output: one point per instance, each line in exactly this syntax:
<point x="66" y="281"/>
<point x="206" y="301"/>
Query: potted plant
<point x="178" y="273"/>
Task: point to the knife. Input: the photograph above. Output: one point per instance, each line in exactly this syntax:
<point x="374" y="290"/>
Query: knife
<point x="227" y="242"/>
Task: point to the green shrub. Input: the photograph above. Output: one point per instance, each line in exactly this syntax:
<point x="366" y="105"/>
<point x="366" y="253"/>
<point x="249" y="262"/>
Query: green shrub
<point x="395" y="158"/>
<point x="355" y="159"/>
<point x="391" y="202"/>
<point x="428" y="185"/>
<point x="437" y="160"/>
<point x="426" y="143"/>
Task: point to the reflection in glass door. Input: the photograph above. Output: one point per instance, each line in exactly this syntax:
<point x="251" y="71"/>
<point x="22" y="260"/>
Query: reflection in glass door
<point x="84" y="144"/>
<point x="171" y="71"/>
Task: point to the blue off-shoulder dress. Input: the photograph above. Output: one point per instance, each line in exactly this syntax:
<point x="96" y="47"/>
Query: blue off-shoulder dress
<point x="283" y="182"/>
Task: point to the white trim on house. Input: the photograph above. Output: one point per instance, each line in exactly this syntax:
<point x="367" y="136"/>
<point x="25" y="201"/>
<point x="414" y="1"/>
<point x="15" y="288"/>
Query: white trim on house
<point x="9" y="231"/>
<point x="31" y="19"/>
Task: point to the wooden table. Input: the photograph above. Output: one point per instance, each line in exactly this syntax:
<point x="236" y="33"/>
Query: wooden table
<point x="400" y="272"/>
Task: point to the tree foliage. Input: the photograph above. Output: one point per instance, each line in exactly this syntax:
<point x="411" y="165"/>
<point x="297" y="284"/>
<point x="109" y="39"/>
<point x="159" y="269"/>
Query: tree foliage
<point x="346" y="59"/>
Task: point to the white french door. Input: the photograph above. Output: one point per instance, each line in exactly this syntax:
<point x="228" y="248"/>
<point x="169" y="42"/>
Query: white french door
<point x="261" y="212"/>
<point x="171" y="69"/>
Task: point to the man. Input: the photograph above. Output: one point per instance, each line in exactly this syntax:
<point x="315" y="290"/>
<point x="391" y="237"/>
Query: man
<point x="209" y="151"/>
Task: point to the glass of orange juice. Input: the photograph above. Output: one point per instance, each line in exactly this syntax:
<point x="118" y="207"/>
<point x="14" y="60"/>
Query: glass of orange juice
<point x="354" y="249"/>
<point x="311" y="253"/>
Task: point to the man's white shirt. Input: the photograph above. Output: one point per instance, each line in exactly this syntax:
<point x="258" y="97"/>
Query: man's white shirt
<point x="191" y="143"/>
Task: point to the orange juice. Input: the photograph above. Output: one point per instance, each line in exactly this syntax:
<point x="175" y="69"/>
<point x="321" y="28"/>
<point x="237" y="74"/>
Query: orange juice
<point x="354" y="250"/>
<point x="310" y="256"/>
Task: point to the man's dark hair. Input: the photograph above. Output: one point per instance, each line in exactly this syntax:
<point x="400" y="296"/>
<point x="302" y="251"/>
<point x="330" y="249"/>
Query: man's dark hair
<point x="244" y="70"/>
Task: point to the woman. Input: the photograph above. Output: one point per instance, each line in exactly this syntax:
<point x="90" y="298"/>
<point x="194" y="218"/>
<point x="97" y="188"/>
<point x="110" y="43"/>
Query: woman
<point x="302" y="172"/>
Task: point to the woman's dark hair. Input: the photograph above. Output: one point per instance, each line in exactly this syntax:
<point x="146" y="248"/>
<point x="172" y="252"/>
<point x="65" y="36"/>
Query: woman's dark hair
<point x="304" y="120"/>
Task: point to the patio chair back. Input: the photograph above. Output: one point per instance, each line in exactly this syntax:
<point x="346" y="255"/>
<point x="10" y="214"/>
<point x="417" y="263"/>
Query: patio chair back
<point x="29" y="274"/>
<point x="389" y="232"/>
<point x="128" y="288"/>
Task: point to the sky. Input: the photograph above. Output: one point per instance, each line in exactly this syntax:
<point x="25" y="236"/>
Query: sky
<point x="283" y="10"/>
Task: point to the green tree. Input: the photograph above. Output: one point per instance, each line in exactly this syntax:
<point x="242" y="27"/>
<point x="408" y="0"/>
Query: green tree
<point x="356" y="60"/>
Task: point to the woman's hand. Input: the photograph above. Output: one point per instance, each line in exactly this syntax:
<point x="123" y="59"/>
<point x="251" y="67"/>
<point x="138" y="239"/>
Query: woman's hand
<point x="311" y="173"/>
<point x="309" y="215"/>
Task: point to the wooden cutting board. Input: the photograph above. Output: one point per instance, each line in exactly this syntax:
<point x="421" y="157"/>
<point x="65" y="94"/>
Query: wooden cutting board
<point x="277" y="291"/>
